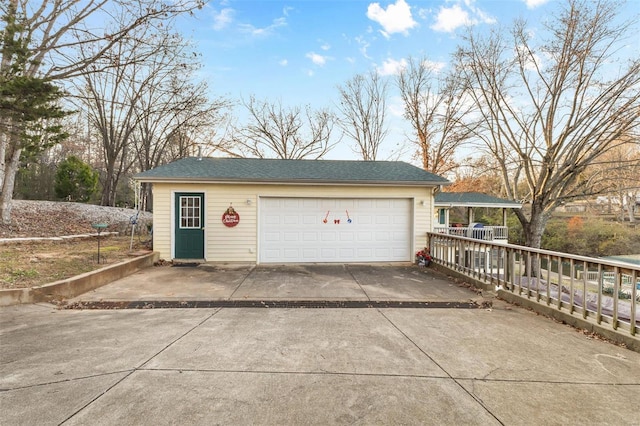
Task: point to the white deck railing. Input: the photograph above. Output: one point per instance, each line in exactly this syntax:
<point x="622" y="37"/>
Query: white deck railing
<point x="486" y="233"/>
<point x="603" y="290"/>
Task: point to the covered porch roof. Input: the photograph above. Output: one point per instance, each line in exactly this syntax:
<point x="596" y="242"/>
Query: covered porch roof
<point x="473" y="199"/>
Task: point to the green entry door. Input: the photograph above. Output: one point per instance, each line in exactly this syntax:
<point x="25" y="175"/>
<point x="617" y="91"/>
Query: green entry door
<point x="189" y="226"/>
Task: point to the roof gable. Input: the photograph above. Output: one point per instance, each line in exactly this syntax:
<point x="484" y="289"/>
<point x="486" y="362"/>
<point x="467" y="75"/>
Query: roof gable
<point x="242" y="170"/>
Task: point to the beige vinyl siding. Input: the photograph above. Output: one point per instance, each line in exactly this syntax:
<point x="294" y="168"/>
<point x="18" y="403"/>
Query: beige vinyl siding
<point x="162" y="220"/>
<point x="240" y="244"/>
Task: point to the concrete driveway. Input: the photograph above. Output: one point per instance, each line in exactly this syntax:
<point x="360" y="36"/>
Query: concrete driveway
<point x="308" y="366"/>
<point x="209" y="282"/>
<point x="447" y="366"/>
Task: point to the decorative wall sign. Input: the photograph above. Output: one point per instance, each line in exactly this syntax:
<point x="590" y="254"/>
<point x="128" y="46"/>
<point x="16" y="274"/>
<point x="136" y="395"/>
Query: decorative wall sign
<point x="325" y="218"/>
<point x="348" y="218"/>
<point x="230" y="217"/>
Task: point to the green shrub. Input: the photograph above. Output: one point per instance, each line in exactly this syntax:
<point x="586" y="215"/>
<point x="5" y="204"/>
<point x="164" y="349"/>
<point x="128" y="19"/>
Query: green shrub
<point x="595" y="238"/>
<point x="75" y="180"/>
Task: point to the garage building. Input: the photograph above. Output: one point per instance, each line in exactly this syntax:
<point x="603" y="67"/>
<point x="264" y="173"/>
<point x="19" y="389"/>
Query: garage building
<point x="290" y="211"/>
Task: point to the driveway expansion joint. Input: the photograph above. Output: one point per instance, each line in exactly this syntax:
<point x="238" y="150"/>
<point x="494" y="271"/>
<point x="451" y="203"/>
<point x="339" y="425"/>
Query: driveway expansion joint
<point x="312" y="304"/>
<point x="356" y="281"/>
<point x="139" y="367"/>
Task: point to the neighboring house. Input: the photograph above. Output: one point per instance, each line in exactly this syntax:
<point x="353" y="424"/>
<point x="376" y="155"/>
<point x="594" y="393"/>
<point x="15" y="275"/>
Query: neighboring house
<point x="609" y="277"/>
<point x="444" y="201"/>
<point x="290" y="211"/>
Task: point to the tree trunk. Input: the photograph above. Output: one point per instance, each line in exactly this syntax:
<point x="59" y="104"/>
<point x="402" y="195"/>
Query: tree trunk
<point x="631" y="207"/>
<point x="110" y="185"/>
<point x="105" y="199"/>
<point x="146" y="197"/>
<point x="109" y="193"/>
<point x="533" y="228"/>
<point x="8" y="182"/>
<point x="533" y="235"/>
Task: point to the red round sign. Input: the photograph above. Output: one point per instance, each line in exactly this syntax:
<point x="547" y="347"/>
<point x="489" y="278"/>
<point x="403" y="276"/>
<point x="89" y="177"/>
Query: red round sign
<point x="230" y="219"/>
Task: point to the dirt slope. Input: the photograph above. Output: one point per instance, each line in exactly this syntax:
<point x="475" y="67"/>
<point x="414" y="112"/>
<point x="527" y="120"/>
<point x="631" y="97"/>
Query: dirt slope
<point x="50" y="219"/>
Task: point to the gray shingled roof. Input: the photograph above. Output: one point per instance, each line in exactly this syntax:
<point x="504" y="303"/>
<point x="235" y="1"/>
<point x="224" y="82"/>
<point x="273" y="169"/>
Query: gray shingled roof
<point x="473" y="199"/>
<point x="299" y="171"/>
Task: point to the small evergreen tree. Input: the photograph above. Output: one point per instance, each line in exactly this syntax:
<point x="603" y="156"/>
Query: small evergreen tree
<point x="35" y="180"/>
<point x="29" y="104"/>
<point x="75" y="180"/>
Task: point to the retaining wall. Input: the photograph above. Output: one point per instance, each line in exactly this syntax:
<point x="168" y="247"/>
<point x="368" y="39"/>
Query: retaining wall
<point x="75" y="286"/>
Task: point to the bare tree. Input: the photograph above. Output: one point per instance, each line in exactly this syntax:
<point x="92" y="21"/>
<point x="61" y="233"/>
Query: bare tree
<point x="551" y="109"/>
<point x="625" y="178"/>
<point x="53" y="32"/>
<point x="174" y="118"/>
<point x="110" y="99"/>
<point x="274" y="131"/>
<point x="146" y="104"/>
<point x="435" y="105"/>
<point x="616" y="176"/>
<point x="363" y="108"/>
<point x="477" y="174"/>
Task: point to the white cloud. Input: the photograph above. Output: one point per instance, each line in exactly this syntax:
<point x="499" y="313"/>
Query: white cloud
<point x="392" y="67"/>
<point x="316" y="58"/>
<point x="268" y="30"/>
<point x="396" y="106"/>
<point x="532" y="4"/>
<point x="222" y="19"/>
<point x="283" y="62"/>
<point x="424" y="13"/>
<point x="480" y="15"/>
<point x="363" y="46"/>
<point x="532" y="61"/>
<point x="396" y="18"/>
<point x="325" y="46"/>
<point x="451" y="18"/>
<point x="434" y="66"/>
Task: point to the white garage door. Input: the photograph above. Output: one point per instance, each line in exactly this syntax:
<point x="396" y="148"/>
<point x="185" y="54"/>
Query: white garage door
<point x="304" y="230"/>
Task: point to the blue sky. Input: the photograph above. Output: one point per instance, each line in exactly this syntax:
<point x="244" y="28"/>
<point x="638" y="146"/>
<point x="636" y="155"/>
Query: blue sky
<point x="299" y="51"/>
